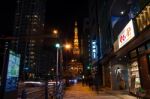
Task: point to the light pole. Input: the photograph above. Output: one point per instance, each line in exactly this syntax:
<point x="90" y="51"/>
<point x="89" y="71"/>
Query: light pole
<point x="59" y="59"/>
<point x="57" y="62"/>
<point x="59" y="47"/>
<point x="55" y="31"/>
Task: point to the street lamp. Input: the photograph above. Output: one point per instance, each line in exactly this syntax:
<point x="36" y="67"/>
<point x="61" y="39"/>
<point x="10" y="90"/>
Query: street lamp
<point x="67" y="46"/>
<point x="59" y="47"/>
<point x="55" y="31"/>
<point x="57" y="62"/>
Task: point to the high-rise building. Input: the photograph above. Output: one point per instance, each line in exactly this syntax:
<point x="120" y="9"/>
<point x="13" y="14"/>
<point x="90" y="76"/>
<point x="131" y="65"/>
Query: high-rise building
<point x="29" y="25"/>
<point x="100" y="36"/>
<point x="86" y="45"/>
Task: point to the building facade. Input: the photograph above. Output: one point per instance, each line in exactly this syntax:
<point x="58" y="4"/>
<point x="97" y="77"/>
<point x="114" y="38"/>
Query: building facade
<point x="29" y="25"/>
<point x="100" y="33"/>
<point x="86" y="46"/>
<point x="86" y="49"/>
<point x="131" y="47"/>
<point x="124" y="43"/>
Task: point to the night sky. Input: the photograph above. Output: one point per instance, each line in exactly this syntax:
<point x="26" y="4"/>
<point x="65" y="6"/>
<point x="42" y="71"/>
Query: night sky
<point x="59" y="13"/>
<point x="63" y="13"/>
<point x="7" y="10"/>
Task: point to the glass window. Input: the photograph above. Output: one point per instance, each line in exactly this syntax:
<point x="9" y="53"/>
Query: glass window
<point x="134" y="73"/>
<point x="133" y="54"/>
<point x="148" y="45"/>
<point x="141" y="49"/>
<point x="149" y="63"/>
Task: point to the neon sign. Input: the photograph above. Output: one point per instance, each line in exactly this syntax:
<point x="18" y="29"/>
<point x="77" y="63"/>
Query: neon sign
<point x="94" y="50"/>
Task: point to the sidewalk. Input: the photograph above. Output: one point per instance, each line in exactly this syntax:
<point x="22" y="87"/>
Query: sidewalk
<point x="121" y="94"/>
<point x="78" y="91"/>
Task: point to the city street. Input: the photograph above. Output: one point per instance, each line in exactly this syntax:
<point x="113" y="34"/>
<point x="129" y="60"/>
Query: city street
<point x="78" y="91"/>
<point x="75" y="49"/>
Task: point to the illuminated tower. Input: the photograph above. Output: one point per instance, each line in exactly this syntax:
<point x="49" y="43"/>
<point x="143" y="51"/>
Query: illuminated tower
<point x="76" y="50"/>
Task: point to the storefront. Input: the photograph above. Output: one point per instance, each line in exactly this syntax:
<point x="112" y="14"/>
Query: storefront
<point x="134" y="76"/>
<point x="137" y="48"/>
<point x="141" y="53"/>
<point x="119" y="73"/>
<point x="140" y="68"/>
<point x="107" y="75"/>
<point x="120" y="61"/>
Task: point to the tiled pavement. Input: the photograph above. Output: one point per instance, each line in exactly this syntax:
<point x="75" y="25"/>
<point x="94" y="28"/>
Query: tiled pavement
<point x="78" y="91"/>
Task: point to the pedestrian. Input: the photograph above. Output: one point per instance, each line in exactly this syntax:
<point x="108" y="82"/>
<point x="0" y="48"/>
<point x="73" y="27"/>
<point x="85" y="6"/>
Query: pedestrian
<point x="83" y="80"/>
<point x="90" y="80"/>
<point x="96" y="82"/>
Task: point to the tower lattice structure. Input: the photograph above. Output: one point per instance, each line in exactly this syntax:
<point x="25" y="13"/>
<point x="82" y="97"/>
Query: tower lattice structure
<point x="76" y="50"/>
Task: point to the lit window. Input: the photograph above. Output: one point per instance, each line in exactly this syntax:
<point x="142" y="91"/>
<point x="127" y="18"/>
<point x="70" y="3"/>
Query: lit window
<point x="35" y="16"/>
<point x="32" y="44"/>
<point x="34" y="30"/>
<point x="33" y="41"/>
<point x="148" y="45"/>
<point x="32" y="57"/>
<point x="17" y="27"/>
<point x="122" y="12"/>
<point x="31" y="52"/>
<point x="34" y="22"/>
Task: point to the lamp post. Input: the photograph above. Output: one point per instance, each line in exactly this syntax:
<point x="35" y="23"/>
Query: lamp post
<point x="57" y="62"/>
<point x="59" y="59"/>
<point x="59" y="47"/>
<point x="55" y="31"/>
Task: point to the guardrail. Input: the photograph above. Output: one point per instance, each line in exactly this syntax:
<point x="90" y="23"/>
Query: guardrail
<point x="54" y="92"/>
<point x="32" y="94"/>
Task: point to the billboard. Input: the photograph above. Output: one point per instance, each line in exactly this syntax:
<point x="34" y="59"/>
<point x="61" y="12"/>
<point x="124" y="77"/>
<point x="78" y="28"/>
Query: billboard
<point x="12" y="74"/>
<point x="126" y="34"/>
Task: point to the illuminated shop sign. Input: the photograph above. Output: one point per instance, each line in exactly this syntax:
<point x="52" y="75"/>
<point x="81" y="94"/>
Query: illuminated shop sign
<point x="94" y="50"/>
<point x="12" y="72"/>
<point x="143" y="19"/>
<point x="126" y="34"/>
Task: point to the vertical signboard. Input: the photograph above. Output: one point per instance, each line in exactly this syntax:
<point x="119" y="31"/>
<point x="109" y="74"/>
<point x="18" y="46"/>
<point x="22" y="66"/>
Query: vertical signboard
<point x="94" y="50"/>
<point x="12" y="72"/>
<point x="11" y="75"/>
